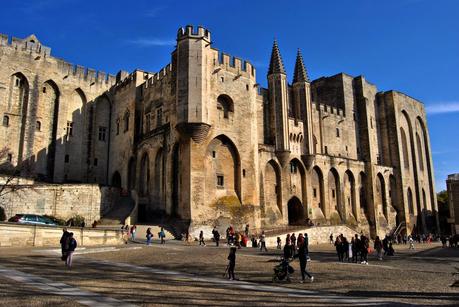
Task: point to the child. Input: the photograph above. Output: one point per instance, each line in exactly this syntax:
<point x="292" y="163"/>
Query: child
<point x="149" y="236"/>
<point x="72" y="244"/>
<point x="279" y="243"/>
<point x="232" y="263"/>
<point x="162" y="235"/>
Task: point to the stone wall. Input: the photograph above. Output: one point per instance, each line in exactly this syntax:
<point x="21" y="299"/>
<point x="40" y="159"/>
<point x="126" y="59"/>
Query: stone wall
<point x="16" y="235"/>
<point x="63" y="201"/>
<point x="316" y="235"/>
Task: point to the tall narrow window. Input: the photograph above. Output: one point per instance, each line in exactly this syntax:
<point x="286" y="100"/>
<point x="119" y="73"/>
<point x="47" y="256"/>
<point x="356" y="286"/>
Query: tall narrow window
<point x="117" y="126"/>
<point x="220" y="181"/>
<point x="69" y="131"/>
<point x="126" y="121"/>
<point x="6" y="121"/>
<point x="337" y="132"/>
<point x="159" y="115"/>
<point x="147" y="123"/>
<point x="102" y="133"/>
<point x="10" y="158"/>
<point x="38" y="126"/>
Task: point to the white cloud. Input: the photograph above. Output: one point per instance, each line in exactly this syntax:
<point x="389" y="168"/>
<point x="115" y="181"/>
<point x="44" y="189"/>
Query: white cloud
<point x="154" y="12"/>
<point x="148" y="42"/>
<point x="439" y="108"/>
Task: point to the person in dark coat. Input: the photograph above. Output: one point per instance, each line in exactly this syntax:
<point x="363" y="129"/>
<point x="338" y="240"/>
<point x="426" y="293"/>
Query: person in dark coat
<point x="303" y="258"/>
<point x="216" y="235"/>
<point x="288" y="252"/>
<point x="364" y="243"/>
<point x="232" y="263"/>
<point x="64" y="244"/>
<point x="72" y="244"/>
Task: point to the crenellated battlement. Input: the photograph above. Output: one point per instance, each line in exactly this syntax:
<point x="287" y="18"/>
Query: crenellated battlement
<point x="163" y="73"/>
<point x="328" y="110"/>
<point x="29" y="44"/>
<point x="88" y="74"/>
<point x="193" y="32"/>
<point x="236" y="65"/>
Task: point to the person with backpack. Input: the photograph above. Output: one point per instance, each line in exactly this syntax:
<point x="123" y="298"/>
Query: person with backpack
<point x="216" y="235"/>
<point x="149" y="236"/>
<point x="162" y="235"/>
<point x="72" y="244"/>
<point x="64" y="244"/>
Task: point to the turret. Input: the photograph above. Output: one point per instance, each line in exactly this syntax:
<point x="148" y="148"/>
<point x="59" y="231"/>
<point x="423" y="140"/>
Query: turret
<point x="192" y="68"/>
<point x="278" y="104"/>
<point x="302" y="101"/>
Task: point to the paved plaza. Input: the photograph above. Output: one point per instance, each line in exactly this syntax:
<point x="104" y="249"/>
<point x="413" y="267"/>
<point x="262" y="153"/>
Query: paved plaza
<point x="181" y="274"/>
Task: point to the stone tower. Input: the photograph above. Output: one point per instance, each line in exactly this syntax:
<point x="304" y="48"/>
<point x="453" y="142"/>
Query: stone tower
<point x="278" y="104"/>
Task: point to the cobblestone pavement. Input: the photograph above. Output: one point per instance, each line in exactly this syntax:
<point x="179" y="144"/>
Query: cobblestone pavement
<point x="179" y="274"/>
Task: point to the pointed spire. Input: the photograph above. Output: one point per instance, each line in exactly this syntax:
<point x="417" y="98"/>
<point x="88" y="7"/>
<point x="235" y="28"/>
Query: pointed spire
<point x="276" y="65"/>
<point x="300" y="74"/>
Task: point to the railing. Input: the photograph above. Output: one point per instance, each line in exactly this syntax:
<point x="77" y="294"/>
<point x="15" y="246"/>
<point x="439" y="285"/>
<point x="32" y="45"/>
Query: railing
<point x="398" y="229"/>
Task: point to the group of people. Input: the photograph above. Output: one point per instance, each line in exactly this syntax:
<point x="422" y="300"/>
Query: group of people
<point x="357" y="249"/>
<point x="130" y="233"/>
<point x="297" y="248"/>
<point x="68" y="246"/>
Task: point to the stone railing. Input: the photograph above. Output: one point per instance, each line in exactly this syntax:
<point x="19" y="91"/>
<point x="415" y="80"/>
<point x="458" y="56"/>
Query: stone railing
<point x="21" y="235"/>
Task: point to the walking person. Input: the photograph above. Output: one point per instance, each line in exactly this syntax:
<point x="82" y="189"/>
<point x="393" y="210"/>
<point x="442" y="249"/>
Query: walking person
<point x="246" y="231"/>
<point x="263" y="242"/>
<point x="331" y="239"/>
<point x="216" y="235"/>
<point x="279" y="243"/>
<point x="201" y="239"/>
<point x="293" y="239"/>
<point x="64" y="244"/>
<point x="379" y="247"/>
<point x="133" y="231"/>
<point x="232" y="263"/>
<point x="72" y="245"/>
<point x="149" y="236"/>
<point x="303" y="257"/>
<point x="365" y="244"/>
<point x="162" y="235"/>
<point x="338" y="248"/>
<point x="411" y="241"/>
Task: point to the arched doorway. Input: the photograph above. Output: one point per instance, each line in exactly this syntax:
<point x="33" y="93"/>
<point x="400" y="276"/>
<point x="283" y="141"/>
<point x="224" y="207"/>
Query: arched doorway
<point x="334" y="196"/>
<point x="116" y="180"/>
<point x="131" y="174"/>
<point x="295" y="211"/>
<point x="272" y="187"/>
<point x="318" y="200"/>
<point x="381" y="195"/>
<point x="349" y="194"/>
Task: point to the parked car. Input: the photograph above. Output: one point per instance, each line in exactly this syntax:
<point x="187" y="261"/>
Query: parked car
<point x="32" y="219"/>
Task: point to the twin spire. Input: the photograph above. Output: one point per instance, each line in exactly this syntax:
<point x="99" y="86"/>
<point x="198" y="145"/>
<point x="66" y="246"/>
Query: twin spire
<point x="276" y="65"/>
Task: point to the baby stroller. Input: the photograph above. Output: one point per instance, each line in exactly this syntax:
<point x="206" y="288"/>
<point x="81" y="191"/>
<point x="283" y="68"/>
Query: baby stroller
<point x="282" y="271"/>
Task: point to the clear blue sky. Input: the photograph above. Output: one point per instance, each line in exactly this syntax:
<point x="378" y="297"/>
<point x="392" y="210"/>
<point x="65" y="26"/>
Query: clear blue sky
<point x="407" y="45"/>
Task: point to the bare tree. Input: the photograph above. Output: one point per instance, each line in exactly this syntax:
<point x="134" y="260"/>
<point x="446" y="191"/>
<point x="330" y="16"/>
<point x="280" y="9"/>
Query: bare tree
<point x="10" y="174"/>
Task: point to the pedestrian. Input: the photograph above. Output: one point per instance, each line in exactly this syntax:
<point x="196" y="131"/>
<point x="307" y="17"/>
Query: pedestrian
<point x="356" y="249"/>
<point x="149" y="236"/>
<point x="254" y="242"/>
<point x="350" y="249"/>
<point x="279" y="243"/>
<point x="288" y="251"/>
<point x="303" y="257"/>
<point x="379" y="246"/>
<point x="247" y="230"/>
<point x="411" y="241"/>
<point x="306" y="246"/>
<point x="238" y="240"/>
<point x="385" y="244"/>
<point x="162" y="235"/>
<point x="201" y="238"/>
<point x="64" y="244"/>
<point x="232" y="263"/>
<point x="338" y="248"/>
<point x="365" y="244"/>
<point x="216" y="235"/>
<point x="391" y="250"/>
<point x="133" y="231"/>
<point x="331" y="239"/>
<point x="72" y="244"/>
<point x="263" y="242"/>
<point x="293" y="239"/>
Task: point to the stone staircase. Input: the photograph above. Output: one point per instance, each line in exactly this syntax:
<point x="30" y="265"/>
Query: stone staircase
<point x="118" y="214"/>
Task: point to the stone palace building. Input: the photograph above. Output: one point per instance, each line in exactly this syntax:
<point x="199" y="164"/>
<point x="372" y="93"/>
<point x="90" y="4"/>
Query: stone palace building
<point x="201" y="141"/>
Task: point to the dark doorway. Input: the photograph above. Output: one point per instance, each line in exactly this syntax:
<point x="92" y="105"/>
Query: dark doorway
<point x="116" y="180"/>
<point x="295" y="212"/>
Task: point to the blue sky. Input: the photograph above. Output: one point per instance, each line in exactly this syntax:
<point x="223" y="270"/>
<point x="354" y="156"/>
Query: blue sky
<point x="407" y="45"/>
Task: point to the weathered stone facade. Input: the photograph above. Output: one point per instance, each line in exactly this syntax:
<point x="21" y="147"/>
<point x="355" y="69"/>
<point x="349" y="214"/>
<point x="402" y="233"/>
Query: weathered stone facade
<point x="201" y="141"/>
